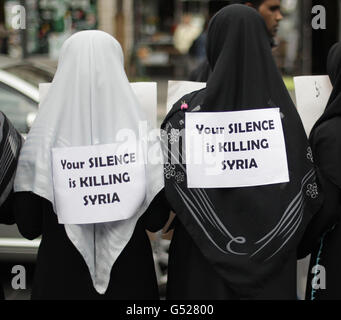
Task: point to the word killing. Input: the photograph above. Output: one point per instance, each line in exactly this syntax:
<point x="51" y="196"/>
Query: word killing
<point x="110" y="179"/>
<point x="243" y="145"/>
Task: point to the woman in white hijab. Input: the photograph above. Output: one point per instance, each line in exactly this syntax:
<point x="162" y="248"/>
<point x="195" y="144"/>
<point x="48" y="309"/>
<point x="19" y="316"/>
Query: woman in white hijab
<point x="89" y="103"/>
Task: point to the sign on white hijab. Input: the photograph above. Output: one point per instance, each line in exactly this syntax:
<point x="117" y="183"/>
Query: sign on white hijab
<point x="82" y="187"/>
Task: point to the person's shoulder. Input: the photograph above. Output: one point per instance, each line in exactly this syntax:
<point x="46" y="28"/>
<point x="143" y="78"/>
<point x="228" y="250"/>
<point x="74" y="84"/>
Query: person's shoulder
<point x="192" y="100"/>
<point x="187" y="103"/>
<point x="329" y="129"/>
<point x="326" y="140"/>
<point x="201" y="73"/>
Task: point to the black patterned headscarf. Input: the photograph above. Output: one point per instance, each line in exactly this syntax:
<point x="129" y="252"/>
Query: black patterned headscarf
<point x="10" y="145"/>
<point x="247" y="234"/>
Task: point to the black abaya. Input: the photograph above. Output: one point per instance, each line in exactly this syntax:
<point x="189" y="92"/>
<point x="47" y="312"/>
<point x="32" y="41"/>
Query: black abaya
<point x="326" y="254"/>
<point x="61" y="272"/>
<point x="6" y="213"/>
<point x="201" y="73"/>
<point x="6" y="217"/>
<point x="191" y="276"/>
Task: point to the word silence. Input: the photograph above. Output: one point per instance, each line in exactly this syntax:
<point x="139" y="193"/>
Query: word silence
<point x="92" y="184"/>
<point x="235" y="149"/>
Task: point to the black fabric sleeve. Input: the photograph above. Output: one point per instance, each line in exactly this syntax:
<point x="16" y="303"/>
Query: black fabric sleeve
<point x="327" y="150"/>
<point x="157" y="214"/>
<point x="28" y="212"/>
<point x="327" y="156"/>
<point x="323" y="220"/>
<point x="6" y="212"/>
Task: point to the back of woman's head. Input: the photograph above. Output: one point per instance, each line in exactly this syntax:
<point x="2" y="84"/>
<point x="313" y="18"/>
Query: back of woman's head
<point x="244" y="72"/>
<point x="235" y="28"/>
<point x="90" y="50"/>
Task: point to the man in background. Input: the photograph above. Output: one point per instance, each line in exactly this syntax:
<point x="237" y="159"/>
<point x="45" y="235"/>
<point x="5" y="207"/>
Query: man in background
<point x="270" y="10"/>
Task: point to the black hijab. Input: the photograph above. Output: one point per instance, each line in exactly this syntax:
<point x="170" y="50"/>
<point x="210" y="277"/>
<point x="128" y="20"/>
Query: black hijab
<point x="325" y="137"/>
<point x="247" y="234"/>
<point x="10" y="145"/>
<point x="203" y="71"/>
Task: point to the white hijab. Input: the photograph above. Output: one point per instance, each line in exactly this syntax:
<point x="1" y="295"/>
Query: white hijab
<point x="89" y="102"/>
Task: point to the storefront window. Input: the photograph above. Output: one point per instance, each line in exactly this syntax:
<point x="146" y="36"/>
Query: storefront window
<point x="165" y="32"/>
<point x="49" y="23"/>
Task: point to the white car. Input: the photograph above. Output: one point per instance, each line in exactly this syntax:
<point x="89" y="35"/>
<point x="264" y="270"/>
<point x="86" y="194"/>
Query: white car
<point x="18" y="101"/>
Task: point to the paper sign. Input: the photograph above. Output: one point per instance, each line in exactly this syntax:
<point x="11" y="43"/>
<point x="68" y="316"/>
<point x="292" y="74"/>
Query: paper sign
<point x="146" y="93"/>
<point x="177" y="89"/>
<point x="312" y="95"/>
<point x="235" y="149"/>
<point x="95" y="184"/>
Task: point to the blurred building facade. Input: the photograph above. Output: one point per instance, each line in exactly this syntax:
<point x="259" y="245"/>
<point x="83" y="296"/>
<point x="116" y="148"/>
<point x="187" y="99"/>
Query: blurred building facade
<point x="157" y="36"/>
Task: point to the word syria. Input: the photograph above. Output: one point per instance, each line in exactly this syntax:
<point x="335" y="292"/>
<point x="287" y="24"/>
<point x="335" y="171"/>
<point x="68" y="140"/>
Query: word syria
<point x="239" y="164"/>
<point x="101" y="199"/>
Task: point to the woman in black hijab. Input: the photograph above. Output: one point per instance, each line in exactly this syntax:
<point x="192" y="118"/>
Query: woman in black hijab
<point x="322" y="232"/>
<point x="262" y="225"/>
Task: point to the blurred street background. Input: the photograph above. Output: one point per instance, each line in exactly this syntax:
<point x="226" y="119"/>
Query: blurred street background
<point x="161" y="40"/>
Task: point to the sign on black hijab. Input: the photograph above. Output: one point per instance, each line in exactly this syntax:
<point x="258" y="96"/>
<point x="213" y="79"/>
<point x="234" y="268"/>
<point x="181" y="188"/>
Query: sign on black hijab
<point x="247" y="234"/>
